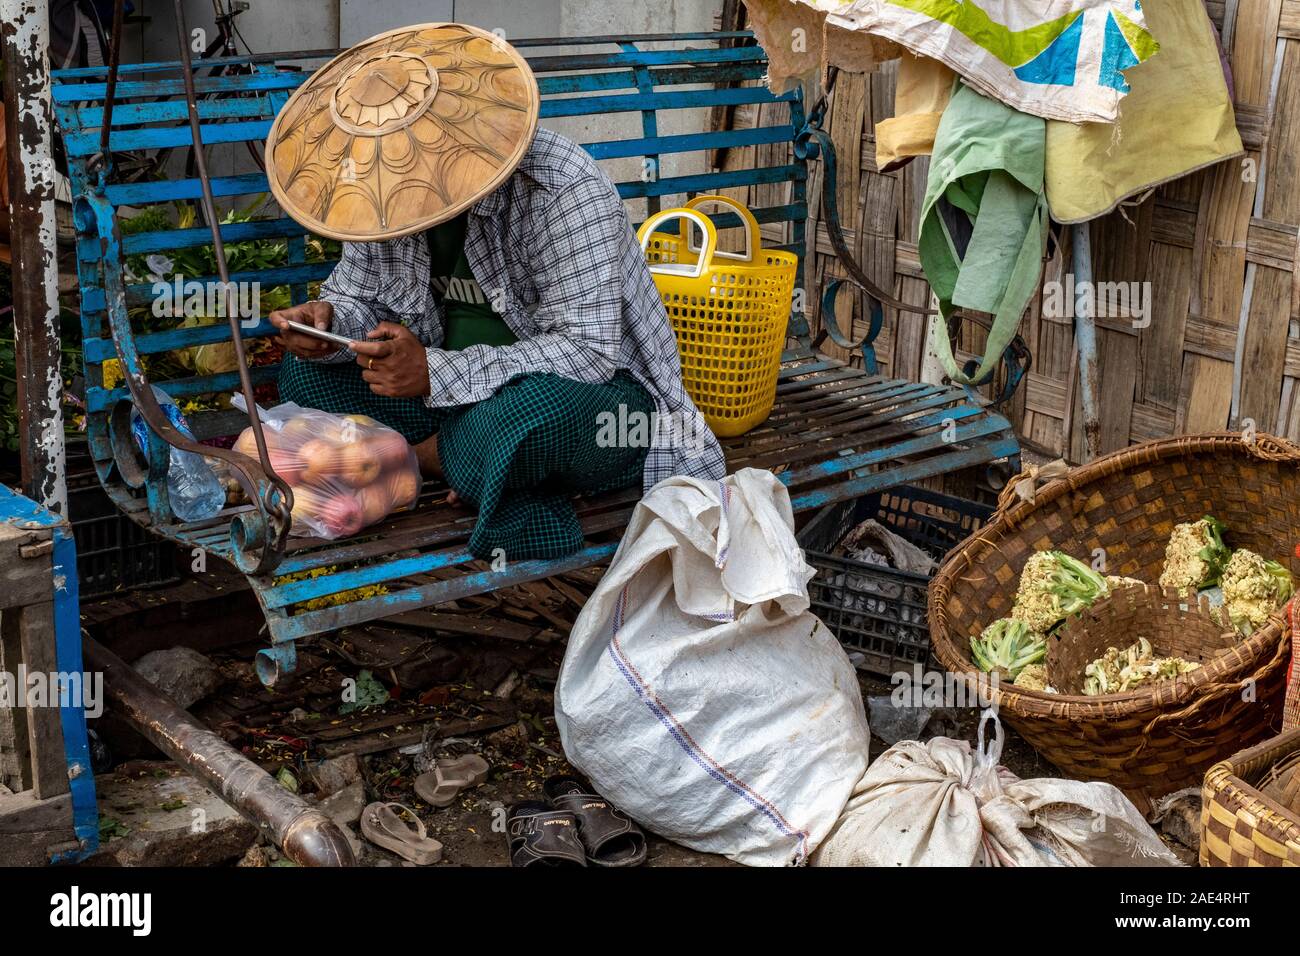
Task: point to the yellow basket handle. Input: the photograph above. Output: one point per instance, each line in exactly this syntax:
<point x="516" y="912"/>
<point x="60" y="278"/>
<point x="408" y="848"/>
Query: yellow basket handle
<point x="753" y="238"/>
<point x="693" y="271"/>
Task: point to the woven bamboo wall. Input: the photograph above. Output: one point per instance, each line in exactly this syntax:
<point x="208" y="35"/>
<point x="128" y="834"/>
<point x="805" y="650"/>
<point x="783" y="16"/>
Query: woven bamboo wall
<point x="1219" y="248"/>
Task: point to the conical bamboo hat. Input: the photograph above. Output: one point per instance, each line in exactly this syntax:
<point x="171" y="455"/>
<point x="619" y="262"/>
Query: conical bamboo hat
<point x="402" y="132"/>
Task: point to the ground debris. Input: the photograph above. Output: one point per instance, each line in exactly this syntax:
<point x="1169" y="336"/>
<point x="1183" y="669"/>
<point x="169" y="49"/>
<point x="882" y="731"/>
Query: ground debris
<point x="440" y="668"/>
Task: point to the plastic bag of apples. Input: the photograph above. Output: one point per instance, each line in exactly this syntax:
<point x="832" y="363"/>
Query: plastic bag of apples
<point x="347" y="472"/>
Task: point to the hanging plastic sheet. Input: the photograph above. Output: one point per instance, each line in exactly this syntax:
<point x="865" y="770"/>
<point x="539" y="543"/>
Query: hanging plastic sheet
<point x="1058" y="59"/>
<point x="921" y="94"/>
<point x="984" y="220"/>
<point x="799" y="43"/>
<point x="1177" y="119"/>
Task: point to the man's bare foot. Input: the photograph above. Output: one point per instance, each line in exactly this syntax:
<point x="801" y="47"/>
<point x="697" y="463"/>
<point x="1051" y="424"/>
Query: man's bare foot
<point x="426" y="453"/>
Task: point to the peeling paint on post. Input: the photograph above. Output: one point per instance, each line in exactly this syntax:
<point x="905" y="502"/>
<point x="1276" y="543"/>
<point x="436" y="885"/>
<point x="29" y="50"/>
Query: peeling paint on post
<point x="25" y="25"/>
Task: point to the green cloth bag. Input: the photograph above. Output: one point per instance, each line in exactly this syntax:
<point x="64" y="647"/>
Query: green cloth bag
<point x="988" y="164"/>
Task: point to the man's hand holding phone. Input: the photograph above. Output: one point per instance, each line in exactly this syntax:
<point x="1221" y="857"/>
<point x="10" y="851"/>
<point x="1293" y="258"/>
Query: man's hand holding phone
<point x="318" y="315"/>
<point x="394" y="363"/>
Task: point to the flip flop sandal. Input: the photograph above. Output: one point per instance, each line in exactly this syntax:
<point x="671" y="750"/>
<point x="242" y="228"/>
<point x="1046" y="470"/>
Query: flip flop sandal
<point x="385" y="827"/>
<point x="541" y="836"/>
<point x="608" y="835"/>
<point x="449" y="776"/>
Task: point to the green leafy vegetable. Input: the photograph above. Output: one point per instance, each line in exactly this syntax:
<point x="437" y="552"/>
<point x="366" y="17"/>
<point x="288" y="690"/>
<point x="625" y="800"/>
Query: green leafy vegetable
<point x="1007" y="646"/>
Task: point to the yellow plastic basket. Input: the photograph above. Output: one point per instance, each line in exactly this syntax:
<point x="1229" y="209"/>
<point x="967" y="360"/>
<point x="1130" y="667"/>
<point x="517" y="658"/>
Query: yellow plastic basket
<point x="729" y="311"/>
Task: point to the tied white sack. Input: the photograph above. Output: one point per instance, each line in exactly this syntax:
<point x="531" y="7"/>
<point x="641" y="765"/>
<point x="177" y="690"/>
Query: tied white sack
<point x="942" y="803"/>
<point x="698" y="692"/>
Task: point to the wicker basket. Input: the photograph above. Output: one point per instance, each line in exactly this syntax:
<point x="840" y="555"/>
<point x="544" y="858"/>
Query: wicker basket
<point x="1174" y="628"/>
<point x="1240" y="826"/>
<point x="1160" y="738"/>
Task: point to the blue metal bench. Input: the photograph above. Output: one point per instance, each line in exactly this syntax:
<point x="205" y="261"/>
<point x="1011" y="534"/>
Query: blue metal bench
<point x="836" y="432"/>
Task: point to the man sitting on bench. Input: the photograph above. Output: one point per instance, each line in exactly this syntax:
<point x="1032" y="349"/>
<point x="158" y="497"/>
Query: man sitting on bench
<point x="499" y="306"/>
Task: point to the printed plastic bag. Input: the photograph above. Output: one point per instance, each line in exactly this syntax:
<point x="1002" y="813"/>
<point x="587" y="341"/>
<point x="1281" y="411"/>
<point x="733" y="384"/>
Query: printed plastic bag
<point x="346" y="471"/>
<point x="698" y="692"/>
<point x="940" y="803"/>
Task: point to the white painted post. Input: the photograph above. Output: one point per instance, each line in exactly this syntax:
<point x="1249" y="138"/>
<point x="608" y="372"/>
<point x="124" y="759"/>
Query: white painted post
<point x="28" y="118"/>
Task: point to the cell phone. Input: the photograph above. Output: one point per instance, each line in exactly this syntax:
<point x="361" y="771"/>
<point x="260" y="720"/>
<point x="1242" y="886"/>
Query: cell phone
<point x="319" y="333"/>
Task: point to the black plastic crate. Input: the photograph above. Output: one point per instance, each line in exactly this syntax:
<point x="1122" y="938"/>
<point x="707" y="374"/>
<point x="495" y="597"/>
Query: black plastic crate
<point x="881" y="611"/>
<point x="113" y="552"/>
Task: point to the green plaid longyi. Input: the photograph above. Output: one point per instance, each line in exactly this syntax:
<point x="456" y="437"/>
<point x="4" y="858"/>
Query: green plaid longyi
<point x="519" y="456"/>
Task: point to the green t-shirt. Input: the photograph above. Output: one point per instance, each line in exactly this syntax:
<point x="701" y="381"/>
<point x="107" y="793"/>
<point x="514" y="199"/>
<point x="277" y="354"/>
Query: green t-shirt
<point x="468" y="312"/>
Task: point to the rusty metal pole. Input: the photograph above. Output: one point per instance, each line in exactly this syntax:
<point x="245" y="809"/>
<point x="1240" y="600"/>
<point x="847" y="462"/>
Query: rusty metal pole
<point x="28" y="120"/>
<point x="307" y="836"/>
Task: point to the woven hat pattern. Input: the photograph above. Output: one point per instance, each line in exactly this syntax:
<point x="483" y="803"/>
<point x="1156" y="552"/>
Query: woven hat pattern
<point x="402" y="132"/>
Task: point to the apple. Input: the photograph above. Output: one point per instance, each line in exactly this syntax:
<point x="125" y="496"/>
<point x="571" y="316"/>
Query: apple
<point x="356" y="465"/>
<point x="342" y="515"/>
<point x="390" y="449"/>
<point x="319" y="458"/>
<point x="246" y="443"/>
<point x="375" y="503"/>
<point x="350" y="429"/>
<point x="404" y="487"/>
<point x="326" y="514"/>
<point x="288" y="466"/>
<point x="300" y="428"/>
<point x="308" y="503"/>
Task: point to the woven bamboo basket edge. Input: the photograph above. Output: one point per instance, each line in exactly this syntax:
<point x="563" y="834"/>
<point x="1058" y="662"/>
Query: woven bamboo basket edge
<point x="1225" y="789"/>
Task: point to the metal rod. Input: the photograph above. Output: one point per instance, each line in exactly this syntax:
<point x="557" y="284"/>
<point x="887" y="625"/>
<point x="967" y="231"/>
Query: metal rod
<point x="114" y="61"/>
<point x="307" y="836"/>
<point x="219" y="253"/>
<point x="37" y="345"/>
<point x="1085" y="336"/>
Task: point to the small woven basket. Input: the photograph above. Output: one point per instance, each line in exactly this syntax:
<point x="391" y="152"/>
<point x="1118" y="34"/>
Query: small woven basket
<point x="1164" y="736"/>
<point x="1242" y="826"/>
<point x="1174" y="628"/>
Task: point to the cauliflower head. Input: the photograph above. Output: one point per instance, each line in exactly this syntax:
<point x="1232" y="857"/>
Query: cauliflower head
<point x="1253" y="588"/>
<point x="1034" y="677"/>
<point x="1118" y="671"/>
<point x="1195" y="556"/>
<point x="1053" y="586"/>
<point x="1117" y="581"/>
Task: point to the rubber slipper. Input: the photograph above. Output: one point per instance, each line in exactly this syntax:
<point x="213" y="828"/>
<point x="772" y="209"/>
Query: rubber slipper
<point x="608" y="835"/>
<point x="385" y="827"/>
<point x="449" y="776"/>
<point x="541" y="836"/>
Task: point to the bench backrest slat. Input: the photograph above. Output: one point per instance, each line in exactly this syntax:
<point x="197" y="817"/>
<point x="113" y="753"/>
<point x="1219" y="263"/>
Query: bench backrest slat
<point x="150" y="113"/>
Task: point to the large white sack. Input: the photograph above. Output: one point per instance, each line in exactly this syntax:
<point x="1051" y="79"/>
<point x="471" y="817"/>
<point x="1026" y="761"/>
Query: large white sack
<point x="698" y="692"/>
<point x="942" y="803"/>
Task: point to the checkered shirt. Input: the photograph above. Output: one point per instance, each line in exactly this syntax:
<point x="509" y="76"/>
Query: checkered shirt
<point x="554" y="252"/>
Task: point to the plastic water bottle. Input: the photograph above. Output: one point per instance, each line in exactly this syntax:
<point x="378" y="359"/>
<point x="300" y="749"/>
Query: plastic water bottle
<point x="192" y="485"/>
